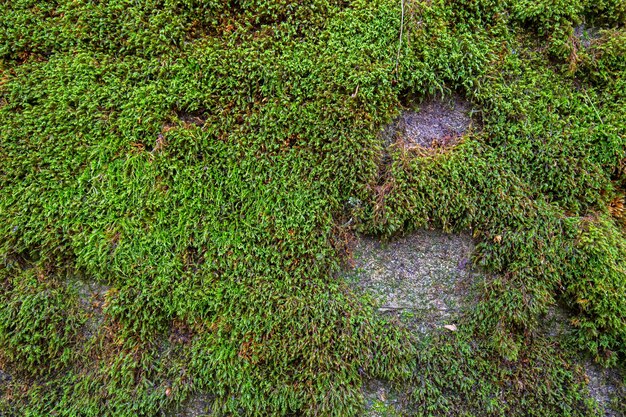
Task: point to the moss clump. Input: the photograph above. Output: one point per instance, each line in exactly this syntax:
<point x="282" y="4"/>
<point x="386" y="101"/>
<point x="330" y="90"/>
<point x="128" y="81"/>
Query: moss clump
<point x="40" y="322"/>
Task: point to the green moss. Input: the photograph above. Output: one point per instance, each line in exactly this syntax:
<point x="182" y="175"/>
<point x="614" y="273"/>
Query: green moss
<point x="205" y="160"/>
<point x="39" y="320"/>
<point x="598" y="290"/>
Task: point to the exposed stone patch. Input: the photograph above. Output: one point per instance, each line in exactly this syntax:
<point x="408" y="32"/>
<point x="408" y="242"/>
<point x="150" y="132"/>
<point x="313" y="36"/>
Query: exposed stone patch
<point x="5" y="378"/>
<point x="6" y="381"/>
<point x="424" y="277"/>
<point x="197" y="118"/>
<point x="437" y="122"/>
<point x="603" y="387"/>
<point x="380" y="399"/>
<point x="91" y="297"/>
<point x="556" y="323"/>
<point x="586" y="34"/>
<point x="199" y="405"/>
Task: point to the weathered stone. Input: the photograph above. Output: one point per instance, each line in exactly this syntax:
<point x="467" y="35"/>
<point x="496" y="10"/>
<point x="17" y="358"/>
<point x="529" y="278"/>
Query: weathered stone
<point x="198" y="405"/>
<point x="426" y="276"/>
<point x="435" y="122"/>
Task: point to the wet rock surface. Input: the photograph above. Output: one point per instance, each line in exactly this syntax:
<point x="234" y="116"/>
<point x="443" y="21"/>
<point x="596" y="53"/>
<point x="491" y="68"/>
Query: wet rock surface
<point x="437" y="122"/>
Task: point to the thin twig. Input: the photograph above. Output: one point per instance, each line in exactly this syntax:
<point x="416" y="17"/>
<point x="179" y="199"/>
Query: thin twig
<point x="384" y="309"/>
<point x="592" y="106"/>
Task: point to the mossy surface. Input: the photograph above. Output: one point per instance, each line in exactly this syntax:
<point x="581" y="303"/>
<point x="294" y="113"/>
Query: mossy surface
<point x="208" y="162"/>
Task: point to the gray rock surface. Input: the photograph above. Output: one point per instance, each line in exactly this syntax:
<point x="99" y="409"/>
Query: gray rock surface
<point x="434" y="122"/>
<point x="586" y="35"/>
<point x="426" y="276"/>
<point x="199" y="405"/>
<point x="91" y="297"/>
<point x="380" y="399"/>
<point x="5" y="378"/>
<point x="603" y="387"/>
